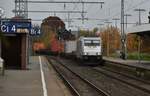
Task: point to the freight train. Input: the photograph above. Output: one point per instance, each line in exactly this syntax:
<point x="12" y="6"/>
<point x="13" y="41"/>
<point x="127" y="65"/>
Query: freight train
<point x="86" y="50"/>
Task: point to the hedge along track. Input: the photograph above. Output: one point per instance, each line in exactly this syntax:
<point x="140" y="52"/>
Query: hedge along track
<point x="77" y="84"/>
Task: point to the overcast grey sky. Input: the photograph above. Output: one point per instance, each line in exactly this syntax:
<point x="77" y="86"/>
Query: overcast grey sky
<point x="111" y="9"/>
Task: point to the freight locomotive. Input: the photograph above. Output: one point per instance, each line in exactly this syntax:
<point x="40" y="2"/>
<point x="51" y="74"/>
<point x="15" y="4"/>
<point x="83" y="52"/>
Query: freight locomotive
<point x="87" y="50"/>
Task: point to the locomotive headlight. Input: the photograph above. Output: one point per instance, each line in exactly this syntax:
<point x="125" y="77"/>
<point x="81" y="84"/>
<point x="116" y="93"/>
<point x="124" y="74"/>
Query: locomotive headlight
<point x="85" y="53"/>
<point x="98" y="53"/>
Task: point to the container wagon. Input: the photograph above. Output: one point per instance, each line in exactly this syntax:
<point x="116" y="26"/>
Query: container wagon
<point x="70" y="48"/>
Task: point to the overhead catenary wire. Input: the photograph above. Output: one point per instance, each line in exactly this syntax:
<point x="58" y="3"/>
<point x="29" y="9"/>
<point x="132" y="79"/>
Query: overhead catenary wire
<point x="131" y="2"/>
<point x="69" y="2"/>
<point x="130" y="8"/>
<point x="62" y="2"/>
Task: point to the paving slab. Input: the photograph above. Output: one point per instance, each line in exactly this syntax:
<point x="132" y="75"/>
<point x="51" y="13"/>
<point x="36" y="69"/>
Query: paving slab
<point x="29" y="82"/>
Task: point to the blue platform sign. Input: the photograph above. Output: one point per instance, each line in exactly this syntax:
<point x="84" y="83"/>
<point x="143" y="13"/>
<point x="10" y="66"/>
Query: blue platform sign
<point x="11" y="26"/>
<point x="35" y="31"/>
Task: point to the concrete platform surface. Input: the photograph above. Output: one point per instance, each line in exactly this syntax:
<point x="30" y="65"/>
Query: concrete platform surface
<point x="31" y="82"/>
<point x="132" y="63"/>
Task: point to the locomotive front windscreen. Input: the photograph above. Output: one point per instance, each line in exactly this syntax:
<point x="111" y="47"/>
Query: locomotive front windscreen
<point x="91" y="42"/>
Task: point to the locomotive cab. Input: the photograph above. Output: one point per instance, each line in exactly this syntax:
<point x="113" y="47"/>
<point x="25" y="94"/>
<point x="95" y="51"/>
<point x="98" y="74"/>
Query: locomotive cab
<point x="89" y="49"/>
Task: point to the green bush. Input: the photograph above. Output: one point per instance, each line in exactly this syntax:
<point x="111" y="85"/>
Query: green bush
<point x="135" y="56"/>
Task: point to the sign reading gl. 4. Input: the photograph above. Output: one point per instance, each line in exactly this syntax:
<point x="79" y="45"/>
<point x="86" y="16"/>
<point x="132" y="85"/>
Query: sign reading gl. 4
<point x="12" y="25"/>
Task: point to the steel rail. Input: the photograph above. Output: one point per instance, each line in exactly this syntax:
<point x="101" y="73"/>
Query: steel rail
<point x="123" y="81"/>
<point x="123" y="74"/>
<point x="122" y="64"/>
<point x="72" y="89"/>
<point x="85" y="80"/>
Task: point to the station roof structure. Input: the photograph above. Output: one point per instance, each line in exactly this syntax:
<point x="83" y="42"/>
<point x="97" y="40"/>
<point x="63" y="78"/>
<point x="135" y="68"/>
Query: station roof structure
<point x="139" y="30"/>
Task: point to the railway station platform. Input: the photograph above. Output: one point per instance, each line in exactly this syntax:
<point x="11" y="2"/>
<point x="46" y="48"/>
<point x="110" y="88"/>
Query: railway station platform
<point x="131" y="63"/>
<point x="38" y="80"/>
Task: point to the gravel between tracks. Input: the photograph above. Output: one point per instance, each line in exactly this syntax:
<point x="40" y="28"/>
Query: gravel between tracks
<point x="111" y="86"/>
<point x="83" y="88"/>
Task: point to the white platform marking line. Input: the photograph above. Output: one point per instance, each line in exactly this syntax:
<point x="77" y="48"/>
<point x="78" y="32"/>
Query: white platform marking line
<point x="42" y="78"/>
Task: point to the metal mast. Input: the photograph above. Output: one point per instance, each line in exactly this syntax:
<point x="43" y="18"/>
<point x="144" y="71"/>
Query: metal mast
<point x="123" y="35"/>
<point x="21" y="7"/>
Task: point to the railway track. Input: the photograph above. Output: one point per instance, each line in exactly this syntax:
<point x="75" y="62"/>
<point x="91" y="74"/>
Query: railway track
<point x="79" y="85"/>
<point x="137" y="70"/>
<point x="127" y="75"/>
<point x="113" y="84"/>
<point x="134" y="82"/>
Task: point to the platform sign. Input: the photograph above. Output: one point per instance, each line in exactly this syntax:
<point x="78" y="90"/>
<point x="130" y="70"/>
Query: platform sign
<point x="9" y="26"/>
<point x="35" y="31"/>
